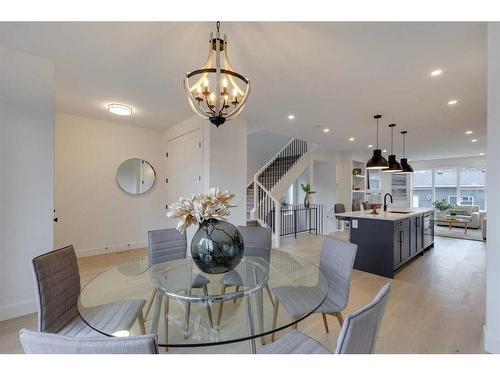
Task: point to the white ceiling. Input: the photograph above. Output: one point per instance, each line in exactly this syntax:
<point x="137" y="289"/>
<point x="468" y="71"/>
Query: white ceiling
<point x="335" y="75"/>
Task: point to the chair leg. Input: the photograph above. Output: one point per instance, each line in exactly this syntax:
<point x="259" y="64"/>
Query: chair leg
<point x="221" y="304"/>
<point x="209" y="310"/>
<point x="187" y="314"/>
<point x="140" y="320"/>
<point x="237" y="288"/>
<point x="165" y="320"/>
<point x="269" y="294"/>
<point x="339" y="317"/>
<point x="150" y="302"/>
<point x="275" y="317"/>
<point x="325" y="322"/>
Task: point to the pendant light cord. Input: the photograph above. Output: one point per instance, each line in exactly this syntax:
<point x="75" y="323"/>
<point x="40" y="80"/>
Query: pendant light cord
<point x="218" y="26"/>
<point x="377" y="133"/>
<point x="403" y="145"/>
<point x="392" y="140"/>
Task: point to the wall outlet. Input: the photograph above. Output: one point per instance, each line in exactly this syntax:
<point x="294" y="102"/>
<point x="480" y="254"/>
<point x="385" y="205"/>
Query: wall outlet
<point x="354" y="223"/>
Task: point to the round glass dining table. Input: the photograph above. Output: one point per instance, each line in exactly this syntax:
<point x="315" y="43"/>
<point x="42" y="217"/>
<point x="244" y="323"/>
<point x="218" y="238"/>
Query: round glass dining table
<point x="187" y="307"/>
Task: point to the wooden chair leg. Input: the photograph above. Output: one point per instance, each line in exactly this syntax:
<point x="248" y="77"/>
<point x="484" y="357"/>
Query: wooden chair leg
<point x="150" y="302"/>
<point x="275" y="317"/>
<point x="237" y="288"/>
<point x="140" y="320"/>
<point x="325" y="322"/>
<point x="339" y="317"/>
<point x="209" y="310"/>
<point x="165" y="320"/>
<point x="221" y="304"/>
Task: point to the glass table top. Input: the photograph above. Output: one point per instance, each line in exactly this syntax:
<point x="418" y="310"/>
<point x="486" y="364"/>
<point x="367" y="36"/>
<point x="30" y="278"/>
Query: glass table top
<point x="187" y="307"/>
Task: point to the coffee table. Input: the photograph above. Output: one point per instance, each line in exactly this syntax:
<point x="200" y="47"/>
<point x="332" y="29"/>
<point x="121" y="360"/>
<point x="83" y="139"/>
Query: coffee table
<point x="452" y="220"/>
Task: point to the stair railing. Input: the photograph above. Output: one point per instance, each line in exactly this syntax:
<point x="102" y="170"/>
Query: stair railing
<point x="266" y="207"/>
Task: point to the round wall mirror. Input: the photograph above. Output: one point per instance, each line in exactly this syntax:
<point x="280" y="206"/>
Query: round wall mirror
<point x="135" y="176"/>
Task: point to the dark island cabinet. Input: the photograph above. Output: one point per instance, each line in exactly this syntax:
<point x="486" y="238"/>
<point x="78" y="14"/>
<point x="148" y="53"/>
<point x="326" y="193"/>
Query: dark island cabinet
<point x="384" y="245"/>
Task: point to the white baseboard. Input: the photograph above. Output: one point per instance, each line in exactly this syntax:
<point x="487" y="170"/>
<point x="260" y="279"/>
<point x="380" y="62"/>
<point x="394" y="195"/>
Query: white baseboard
<point x="17" y="309"/>
<point x="491" y="344"/>
<point x="110" y="249"/>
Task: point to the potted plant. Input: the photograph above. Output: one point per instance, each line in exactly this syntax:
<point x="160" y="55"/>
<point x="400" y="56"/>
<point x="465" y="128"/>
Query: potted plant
<point x="307" y="199"/>
<point x="442" y="206"/>
<point x="217" y="246"/>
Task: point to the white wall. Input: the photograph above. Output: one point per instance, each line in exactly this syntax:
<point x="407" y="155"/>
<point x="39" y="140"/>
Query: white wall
<point x="471" y="161"/>
<point x="26" y="175"/>
<point x="94" y="214"/>
<point x="262" y="146"/>
<point x="343" y="179"/>
<point x="228" y="163"/>
<point x="492" y="329"/>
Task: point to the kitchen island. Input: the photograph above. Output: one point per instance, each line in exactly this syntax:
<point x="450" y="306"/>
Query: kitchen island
<point x="390" y="239"/>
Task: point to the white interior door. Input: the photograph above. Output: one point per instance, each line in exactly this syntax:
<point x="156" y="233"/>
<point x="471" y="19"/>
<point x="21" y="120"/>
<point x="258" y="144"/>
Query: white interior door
<point x="184" y="166"/>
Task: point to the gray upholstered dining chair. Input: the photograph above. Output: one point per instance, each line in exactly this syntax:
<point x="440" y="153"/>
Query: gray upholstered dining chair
<point x="50" y="343"/>
<point x="258" y="243"/>
<point x="336" y="262"/>
<point x="358" y="334"/>
<point x="57" y="284"/>
<point x="166" y="245"/>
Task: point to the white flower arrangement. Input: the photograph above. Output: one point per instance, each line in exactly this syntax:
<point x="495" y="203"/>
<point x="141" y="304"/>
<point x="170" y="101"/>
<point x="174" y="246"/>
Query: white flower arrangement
<point x="200" y="207"/>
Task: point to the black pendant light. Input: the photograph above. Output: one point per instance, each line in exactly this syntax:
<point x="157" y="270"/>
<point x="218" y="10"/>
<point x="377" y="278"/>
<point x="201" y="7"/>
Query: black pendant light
<point x="394" y="166"/>
<point x="377" y="161"/>
<point x="406" y="168"/>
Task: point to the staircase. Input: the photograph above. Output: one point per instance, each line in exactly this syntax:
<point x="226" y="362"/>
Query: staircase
<point x="265" y="208"/>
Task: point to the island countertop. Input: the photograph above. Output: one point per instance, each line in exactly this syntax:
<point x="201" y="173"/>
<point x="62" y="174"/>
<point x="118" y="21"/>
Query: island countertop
<point x="388" y="215"/>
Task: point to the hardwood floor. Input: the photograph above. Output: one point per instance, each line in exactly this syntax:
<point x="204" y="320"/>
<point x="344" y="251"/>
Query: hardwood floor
<point x="437" y="303"/>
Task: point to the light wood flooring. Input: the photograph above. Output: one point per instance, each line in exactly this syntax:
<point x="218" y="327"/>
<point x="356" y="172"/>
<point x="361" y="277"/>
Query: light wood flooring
<point x="437" y="302"/>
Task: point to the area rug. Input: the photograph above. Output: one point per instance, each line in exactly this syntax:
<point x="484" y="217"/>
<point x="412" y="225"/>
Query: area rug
<point x="455" y="232"/>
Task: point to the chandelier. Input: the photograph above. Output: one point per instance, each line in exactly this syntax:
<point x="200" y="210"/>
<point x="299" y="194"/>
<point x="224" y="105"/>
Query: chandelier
<point x="215" y="91"/>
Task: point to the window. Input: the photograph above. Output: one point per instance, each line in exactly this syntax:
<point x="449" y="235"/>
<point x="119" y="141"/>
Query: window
<point x="422" y="188"/>
<point x="457" y="186"/>
<point x="446" y="185"/>
<point x="374" y="179"/>
<point x="472" y="187"/>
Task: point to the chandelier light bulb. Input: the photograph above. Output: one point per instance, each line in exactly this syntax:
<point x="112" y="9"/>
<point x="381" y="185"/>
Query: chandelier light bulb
<point x="205" y="82"/>
<point x="224" y="83"/>
<point x="198" y="89"/>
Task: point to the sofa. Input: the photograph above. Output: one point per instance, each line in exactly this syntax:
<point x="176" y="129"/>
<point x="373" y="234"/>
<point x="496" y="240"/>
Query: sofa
<point x="470" y="213"/>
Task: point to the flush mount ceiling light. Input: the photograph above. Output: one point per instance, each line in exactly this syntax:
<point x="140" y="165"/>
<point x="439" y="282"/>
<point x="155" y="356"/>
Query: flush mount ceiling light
<point x="326" y="130"/>
<point x="120" y="109"/>
<point x="351" y="139"/>
<point x="473" y="140"/>
<point x="216" y="91"/>
<point x="436" y="72"/>
<point x="377" y="161"/>
<point x="468" y="132"/>
<point x="394" y="166"/>
<point x="452" y="102"/>
<point x="406" y="168"/>
<point x="291" y="117"/>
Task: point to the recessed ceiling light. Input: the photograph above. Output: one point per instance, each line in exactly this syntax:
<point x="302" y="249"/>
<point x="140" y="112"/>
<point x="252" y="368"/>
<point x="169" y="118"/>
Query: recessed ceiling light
<point x="384" y="150"/>
<point x="326" y="130"/>
<point x="436" y="72"/>
<point x="370" y="146"/>
<point x="351" y="139"/>
<point x="452" y="102"/>
<point x="120" y="109"/>
<point x="481" y="154"/>
<point x="291" y="117"/>
<point x="468" y="132"/>
<point x="473" y="140"/>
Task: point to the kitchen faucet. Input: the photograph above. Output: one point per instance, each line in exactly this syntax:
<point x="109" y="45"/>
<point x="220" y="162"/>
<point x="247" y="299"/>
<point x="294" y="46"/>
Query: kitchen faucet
<point x="385" y="200"/>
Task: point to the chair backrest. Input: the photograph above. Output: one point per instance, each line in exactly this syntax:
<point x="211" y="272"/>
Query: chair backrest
<point x="338" y="208"/>
<point x="166" y="245"/>
<point x="336" y="262"/>
<point x="360" y="330"/>
<point x="57" y="284"/>
<point x="257" y="241"/>
<point x="49" y="343"/>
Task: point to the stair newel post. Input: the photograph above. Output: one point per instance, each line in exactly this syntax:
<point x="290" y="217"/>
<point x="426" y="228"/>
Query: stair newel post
<point x="277" y="223"/>
<point x="255" y="192"/>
